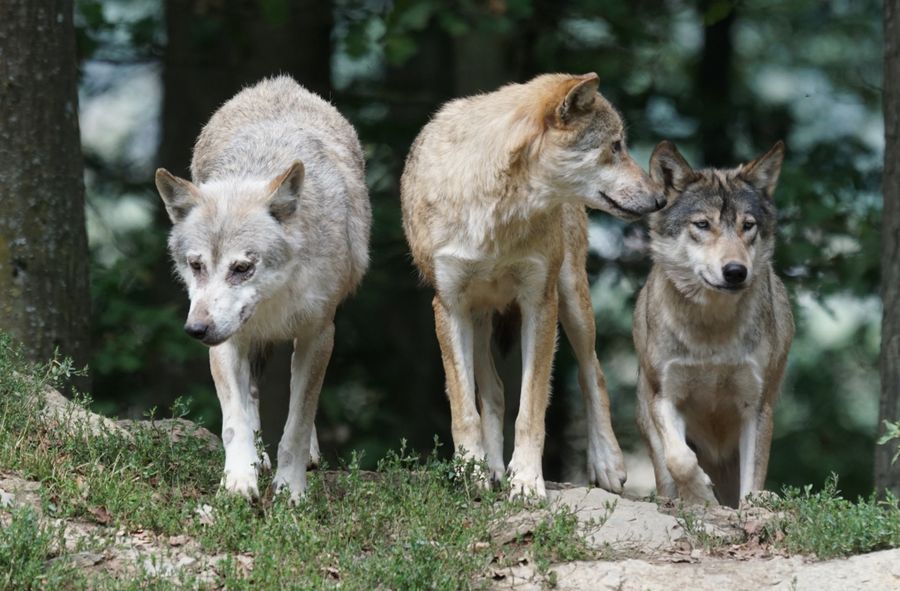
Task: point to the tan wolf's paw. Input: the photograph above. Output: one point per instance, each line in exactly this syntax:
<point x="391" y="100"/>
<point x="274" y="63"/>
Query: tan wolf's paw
<point x="607" y="471"/>
<point x="527" y="487"/>
<point x="241" y="482"/>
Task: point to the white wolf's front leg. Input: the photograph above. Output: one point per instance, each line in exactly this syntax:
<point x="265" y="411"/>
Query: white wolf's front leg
<point x="230" y="367"/>
<point x="308" y="363"/>
<point x="694" y="485"/>
<point x="538" y="345"/>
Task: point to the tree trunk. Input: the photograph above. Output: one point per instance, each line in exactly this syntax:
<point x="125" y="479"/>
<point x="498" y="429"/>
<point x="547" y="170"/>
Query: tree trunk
<point x="887" y="477"/>
<point x="714" y="80"/>
<point x="44" y="287"/>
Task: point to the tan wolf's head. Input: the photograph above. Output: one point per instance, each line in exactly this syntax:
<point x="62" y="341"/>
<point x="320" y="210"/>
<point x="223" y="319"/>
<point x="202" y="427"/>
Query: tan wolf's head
<point x="718" y="228"/>
<point x="229" y="245"/>
<point x="574" y="146"/>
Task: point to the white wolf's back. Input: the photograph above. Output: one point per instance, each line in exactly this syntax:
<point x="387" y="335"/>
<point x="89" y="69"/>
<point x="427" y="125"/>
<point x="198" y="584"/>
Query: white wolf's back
<point x="264" y="128"/>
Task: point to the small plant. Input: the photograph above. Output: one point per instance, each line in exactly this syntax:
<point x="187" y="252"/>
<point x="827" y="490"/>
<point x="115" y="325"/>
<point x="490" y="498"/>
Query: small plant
<point x="827" y="525"/>
<point x="26" y="549"/>
<point x="891" y="433"/>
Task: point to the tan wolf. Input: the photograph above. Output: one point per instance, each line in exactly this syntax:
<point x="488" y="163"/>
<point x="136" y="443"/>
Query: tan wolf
<point x="712" y="328"/>
<point x="269" y="238"/>
<point x="493" y="195"/>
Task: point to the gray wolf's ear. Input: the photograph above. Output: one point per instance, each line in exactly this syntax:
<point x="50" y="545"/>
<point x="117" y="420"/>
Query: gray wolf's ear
<point x="763" y="172"/>
<point x="669" y="168"/>
<point x="285" y="191"/>
<point x="178" y="195"/>
<point x="579" y="98"/>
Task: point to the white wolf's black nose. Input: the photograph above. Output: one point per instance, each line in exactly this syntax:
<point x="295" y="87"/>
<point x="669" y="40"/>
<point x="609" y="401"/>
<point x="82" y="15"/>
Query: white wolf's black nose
<point x="197" y="330"/>
<point x="734" y="273"/>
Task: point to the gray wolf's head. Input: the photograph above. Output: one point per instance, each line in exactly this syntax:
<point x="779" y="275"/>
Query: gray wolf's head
<point x="719" y="225"/>
<point x="229" y="245"/>
<point x="577" y="148"/>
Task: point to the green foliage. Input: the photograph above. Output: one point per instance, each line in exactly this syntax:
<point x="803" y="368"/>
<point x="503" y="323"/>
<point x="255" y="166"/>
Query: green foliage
<point x="827" y="525"/>
<point x="26" y="548"/>
<point x="891" y="433"/>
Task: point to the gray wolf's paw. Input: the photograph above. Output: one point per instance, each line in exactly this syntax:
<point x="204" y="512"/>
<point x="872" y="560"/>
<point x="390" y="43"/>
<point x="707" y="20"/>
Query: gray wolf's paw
<point x="697" y="490"/>
<point x="606" y="469"/>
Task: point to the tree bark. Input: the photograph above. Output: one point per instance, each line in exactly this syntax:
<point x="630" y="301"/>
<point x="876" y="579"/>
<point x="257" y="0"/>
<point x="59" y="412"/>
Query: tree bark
<point x="44" y="286"/>
<point x="714" y="81"/>
<point x="887" y="477"/>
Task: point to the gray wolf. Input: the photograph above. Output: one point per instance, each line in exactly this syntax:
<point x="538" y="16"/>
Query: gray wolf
<point x="493" y="196"/>
<point x="712" y="328"/>
<point x="269" y="238"/>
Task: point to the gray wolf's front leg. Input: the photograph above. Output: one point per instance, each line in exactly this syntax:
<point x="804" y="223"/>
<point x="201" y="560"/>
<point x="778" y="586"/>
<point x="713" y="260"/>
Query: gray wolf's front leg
<point x="693" y="484"/>
<point x="230" y="367"/>
<point x="310" y="359"/>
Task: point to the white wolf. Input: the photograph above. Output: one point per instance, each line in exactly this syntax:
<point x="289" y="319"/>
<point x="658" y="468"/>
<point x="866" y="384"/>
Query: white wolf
<point x="269" y="238"/>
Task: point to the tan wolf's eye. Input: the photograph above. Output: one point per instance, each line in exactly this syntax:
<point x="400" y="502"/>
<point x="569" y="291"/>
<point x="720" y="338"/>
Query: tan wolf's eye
<point x="702" y="224"/>
<point x="617" y="146"/>
<point x="749" y="225"/>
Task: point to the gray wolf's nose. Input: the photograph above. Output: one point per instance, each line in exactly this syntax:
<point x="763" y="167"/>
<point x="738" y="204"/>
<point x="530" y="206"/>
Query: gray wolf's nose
<point x="734" y="273"/>
<point x="197" y="330"/>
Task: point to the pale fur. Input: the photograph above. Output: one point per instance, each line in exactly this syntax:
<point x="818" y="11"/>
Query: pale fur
<point x="711" y="360"/>
<point x="493" y="196"/>
<point x="278" y="184"/>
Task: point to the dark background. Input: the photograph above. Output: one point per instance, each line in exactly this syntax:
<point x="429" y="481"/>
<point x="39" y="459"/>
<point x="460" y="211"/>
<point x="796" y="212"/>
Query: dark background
<point x="722" y="79"/>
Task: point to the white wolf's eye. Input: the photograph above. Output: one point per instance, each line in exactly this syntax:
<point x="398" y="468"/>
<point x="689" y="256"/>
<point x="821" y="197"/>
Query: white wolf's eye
<point x="242" y="267"/>
<point x="702" y="224"/>
<point x="195" y="265"/>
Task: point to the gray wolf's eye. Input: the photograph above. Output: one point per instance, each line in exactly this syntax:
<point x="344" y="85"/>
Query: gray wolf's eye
<point x="617" y="146"/>
<point x="748" y="225"/>
<point x="702" y="224"/>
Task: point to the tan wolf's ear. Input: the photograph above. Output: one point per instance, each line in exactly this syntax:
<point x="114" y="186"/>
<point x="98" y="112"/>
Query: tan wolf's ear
<point x="669" y="168"/>
<point x="285" y="191"/>
<point x="579" y="98"/>
<point x="763" y="172"/>
<point x="178" y="195"/>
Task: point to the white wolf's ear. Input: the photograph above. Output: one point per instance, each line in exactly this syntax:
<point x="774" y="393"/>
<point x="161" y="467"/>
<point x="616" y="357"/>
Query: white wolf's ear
<point x="178" y="195"/>
<point x="285" y="191"/>
<point x="669" y="168"/>
<point x="579" y="98"/>
<point x="763" y="172"/>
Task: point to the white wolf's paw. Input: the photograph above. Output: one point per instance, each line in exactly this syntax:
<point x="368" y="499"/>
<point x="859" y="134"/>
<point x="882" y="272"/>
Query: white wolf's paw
<point x="241" y="482"/>
<point x="314" y="454"/>
<point x="293" y="483"/>
<point x="606" y="469"/>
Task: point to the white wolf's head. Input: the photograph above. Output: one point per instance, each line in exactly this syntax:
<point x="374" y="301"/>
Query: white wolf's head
<point x="719" y="225"/>
<point x="573" y="146"/>
<point x="229" y="245"/>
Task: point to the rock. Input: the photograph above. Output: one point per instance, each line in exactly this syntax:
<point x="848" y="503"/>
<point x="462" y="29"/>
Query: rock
<point x="175" y="429"/>
<point x="76" y="418"/>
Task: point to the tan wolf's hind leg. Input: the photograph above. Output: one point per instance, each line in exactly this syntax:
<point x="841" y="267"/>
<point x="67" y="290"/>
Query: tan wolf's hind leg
<point x="538" y="346"/>
<point x="312" y="352"/>
<point x="490" y="396"/>
<point x="455" y="332"/>
<point x="605" y="464"/>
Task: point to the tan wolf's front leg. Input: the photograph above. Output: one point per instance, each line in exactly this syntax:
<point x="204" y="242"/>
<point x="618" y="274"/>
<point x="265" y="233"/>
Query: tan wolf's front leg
<point x="605" y="463"/>
<point x="538" y="346"/>
<point x="230" y="367"/>
<point x="693" y="484"/>
<point x="312" y="351"/>
<point x="455" y="333"/>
